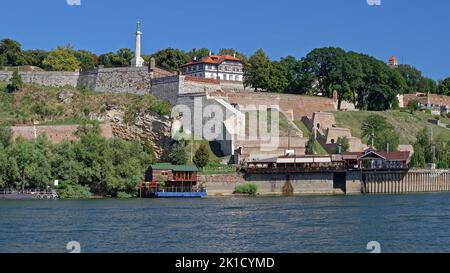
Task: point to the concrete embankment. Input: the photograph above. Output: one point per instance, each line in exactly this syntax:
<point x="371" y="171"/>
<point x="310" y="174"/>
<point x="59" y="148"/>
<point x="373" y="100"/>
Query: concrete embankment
<point x="414" y="181"/>
<point x="355" y="182"/>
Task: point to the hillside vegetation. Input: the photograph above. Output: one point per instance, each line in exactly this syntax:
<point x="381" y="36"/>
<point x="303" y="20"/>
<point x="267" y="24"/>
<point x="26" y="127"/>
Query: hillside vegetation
<point x="407" y="125"/>
<point x="68" y="105"/>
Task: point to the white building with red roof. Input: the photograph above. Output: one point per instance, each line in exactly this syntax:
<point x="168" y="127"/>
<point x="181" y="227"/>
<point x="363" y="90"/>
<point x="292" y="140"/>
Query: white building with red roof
<point x="225" y="68"/>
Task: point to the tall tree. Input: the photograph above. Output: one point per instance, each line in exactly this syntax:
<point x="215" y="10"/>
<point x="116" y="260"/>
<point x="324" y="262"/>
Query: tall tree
<point x="121" y="58"/>
<point x="11" y="53"/>
<point x="415" y="81"/>
<point x="171" y="59"/>
<point x="385" y="136"/>
<point x="36" y="57"/>
<point x="198" y="53"/>
<point x="291" y="68"/>
<point x="87" y="59"/>
<point x="178" y="155"/>
<point x="62" y="59"/>
<point x="444" y="87"/>
<point x="257" y="74"/>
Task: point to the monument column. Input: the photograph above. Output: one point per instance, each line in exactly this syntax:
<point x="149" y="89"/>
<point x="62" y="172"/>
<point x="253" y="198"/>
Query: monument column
<point x="137" y="61"/>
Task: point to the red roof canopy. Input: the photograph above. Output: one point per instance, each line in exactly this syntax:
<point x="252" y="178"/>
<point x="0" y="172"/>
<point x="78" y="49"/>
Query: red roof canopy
<point x="214" y="59"/>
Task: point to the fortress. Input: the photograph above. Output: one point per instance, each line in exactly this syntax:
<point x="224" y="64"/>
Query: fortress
<point x="213" y="82"/>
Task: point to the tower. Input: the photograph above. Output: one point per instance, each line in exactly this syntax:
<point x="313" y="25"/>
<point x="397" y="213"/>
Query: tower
<point x="137" y="61"/>
<point x="393" y="62"/>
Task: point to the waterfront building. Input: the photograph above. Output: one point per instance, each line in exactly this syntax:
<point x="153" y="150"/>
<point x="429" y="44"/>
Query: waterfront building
<point x="224" y="67"/>
<point x="367" y="160"/>
<point x="373" y="160"/>
<point x="167" y="180"/>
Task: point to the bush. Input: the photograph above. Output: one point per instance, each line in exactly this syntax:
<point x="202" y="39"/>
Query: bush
<point x="247" y="188"/>
<point x="70" y="190"/>
<point x="428" y="111"/>
<point x="15" y="83"/>
<point x="345" y="145"/>
<point x="160" y="107"/>
<point x="201" y="157"/>
<point x="124" y="195"/>
<point x="413" y="105"/>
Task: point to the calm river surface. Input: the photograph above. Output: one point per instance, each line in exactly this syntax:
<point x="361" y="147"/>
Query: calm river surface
<point x="400" y="223"/>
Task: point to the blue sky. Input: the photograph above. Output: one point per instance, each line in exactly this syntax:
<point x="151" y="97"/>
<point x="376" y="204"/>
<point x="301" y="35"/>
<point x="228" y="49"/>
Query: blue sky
<point x="416" y="31"/>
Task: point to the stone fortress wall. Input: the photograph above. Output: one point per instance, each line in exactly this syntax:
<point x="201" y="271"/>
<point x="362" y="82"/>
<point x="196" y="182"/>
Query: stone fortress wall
<point x="118" y="80"/>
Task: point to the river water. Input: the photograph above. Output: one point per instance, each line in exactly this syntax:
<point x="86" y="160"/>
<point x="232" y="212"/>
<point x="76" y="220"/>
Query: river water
<point x="399" y="223"/>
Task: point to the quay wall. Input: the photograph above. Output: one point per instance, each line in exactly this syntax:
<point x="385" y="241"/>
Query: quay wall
<point x="278" y="184"/>
<point x="414" y="181"/>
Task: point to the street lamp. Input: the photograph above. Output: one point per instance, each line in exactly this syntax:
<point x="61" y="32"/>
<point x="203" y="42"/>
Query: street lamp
<point x="373" y="132"/>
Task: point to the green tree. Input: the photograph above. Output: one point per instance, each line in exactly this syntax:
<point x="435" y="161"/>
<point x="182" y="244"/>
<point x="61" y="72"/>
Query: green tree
<point x="198" y="53"/>
<point x="33" y="167"/>
<point x="62" y="59"/>
<point x="11" y="53"/>
<point x="291" y="68"/>
<point x="423" y="152"/>
<point x="257" y="74"/>
<point x="384" y="133"/>
<point x="178" y="155"/>
<point x="87" y="59"/>
<point x="15" y="82"/>
<point x="201" y="157"/>
<point x="415" y="81"/>
<point x="171" y="59"/>
<point x="122" y="58"/>
<point x="234" y="52"/>
<point x="444" y="87"/>
<point x="311" y="145"/>
<point x="343" y="143"/>
<point x="35" y="57"/>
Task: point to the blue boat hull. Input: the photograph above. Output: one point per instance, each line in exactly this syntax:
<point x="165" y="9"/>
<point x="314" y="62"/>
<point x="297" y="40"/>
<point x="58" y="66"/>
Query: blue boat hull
<point x="180" y="194"/>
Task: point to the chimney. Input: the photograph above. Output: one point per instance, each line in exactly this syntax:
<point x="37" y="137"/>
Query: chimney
<point x="195" y="58"/>
<point x="210" y="53"/>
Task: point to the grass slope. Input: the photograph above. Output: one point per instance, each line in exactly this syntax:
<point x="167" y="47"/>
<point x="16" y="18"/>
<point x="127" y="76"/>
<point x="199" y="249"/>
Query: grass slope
<point x="406" y="125"/>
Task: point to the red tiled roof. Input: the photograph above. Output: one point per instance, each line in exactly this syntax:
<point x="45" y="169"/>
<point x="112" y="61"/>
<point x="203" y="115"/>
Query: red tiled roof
<point x="393" y="59"/>
<point x="395" y="156"/>
<point x="398" y="156"/>
<point x="214" y="59"/>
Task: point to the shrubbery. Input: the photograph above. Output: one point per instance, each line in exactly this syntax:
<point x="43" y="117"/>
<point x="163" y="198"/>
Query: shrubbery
<point x="106" y="167"/>
<point x="71" y="190"/>
<point x="15" y="83"/>
<point x="247" y="188"/>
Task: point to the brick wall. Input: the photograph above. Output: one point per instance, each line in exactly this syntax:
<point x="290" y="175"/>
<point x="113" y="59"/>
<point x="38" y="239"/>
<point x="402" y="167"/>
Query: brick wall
<point x="294" y="106"/>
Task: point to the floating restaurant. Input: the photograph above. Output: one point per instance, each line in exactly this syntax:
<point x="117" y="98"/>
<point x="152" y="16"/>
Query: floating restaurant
<point x="167" y="180"/>
<point x="345" y="173"/>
